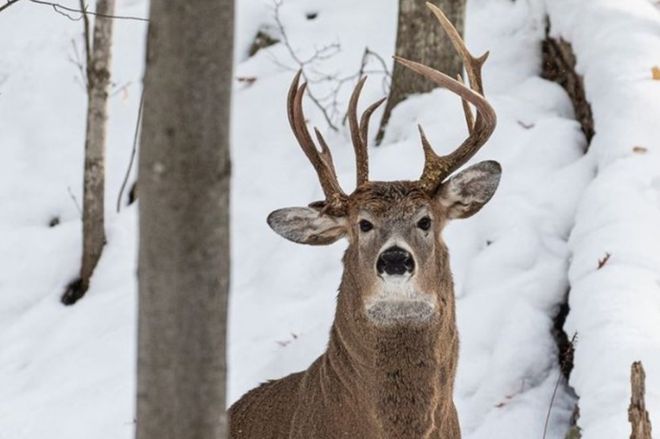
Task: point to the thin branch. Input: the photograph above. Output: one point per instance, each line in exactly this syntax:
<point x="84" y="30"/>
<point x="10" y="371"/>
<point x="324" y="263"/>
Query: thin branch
<point x="329" y="103"/>
<point x="75" y="200"/>
<point x="76" y="61"/>
<point x="562" y="359"/>
<point x="88" y="45"/>
<point x="301" y="63"/>
<point x="8" y="4"/>
<point x="60" y="8"/>
<point x="138" y="125"/>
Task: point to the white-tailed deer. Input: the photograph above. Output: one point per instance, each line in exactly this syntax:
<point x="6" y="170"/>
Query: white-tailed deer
<point x="388" y="370"/>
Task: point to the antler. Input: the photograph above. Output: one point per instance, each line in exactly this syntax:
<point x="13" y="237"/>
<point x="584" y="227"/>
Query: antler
<point x="335" y="198"/>
<point x="437" y="168"/>
<point x="360" y="133"/>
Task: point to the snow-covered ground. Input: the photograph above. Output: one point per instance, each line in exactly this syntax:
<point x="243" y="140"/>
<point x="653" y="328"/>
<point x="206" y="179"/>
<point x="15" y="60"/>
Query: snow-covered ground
<point x="616" y="310"/>
<point x="69" y="372"/>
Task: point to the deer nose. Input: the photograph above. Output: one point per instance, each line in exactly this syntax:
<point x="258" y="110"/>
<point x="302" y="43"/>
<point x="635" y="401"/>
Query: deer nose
<point x="395" y="261"/>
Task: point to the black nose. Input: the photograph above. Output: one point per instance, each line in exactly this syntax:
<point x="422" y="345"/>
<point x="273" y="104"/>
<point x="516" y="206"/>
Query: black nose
<point x="395" y="261"/>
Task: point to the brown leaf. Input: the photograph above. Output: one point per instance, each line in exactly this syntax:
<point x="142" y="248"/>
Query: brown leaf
<point x="603" y="261"/>
<point x="247" y="80"/>
<point x="655" y="73"/>
<point x="640" y="150"/>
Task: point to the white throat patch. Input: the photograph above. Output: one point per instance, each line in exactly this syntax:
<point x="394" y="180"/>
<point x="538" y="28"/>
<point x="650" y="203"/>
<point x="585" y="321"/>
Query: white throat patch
<point x="398" y="301"/>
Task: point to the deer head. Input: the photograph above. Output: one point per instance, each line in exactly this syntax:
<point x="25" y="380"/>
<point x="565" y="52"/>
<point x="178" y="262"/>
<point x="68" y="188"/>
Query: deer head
<point x="396" y="258"/>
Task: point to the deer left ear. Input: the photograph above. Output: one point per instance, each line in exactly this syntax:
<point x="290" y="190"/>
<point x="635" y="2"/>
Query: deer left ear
<point x="465" y="193"/>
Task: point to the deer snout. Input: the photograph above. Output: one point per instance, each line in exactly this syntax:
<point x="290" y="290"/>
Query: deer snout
<point x="395" y="261"/>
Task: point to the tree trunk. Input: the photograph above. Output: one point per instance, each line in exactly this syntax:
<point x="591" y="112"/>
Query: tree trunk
<point x="184" y="173"/>
<point x="98" y="80"/>
<point x="420" y="38"/>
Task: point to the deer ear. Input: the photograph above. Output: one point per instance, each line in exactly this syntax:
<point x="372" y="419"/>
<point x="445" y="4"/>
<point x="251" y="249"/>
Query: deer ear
<point x="465" y="193"/>
<point x="306" y="225"/>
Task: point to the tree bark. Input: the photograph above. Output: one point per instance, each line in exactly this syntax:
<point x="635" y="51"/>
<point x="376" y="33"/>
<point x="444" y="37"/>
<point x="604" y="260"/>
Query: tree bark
<point x="420" y="38"/>
<point x="98" y="59"/>
<point x="637" y="413"/>
<point x="184" y="173"/>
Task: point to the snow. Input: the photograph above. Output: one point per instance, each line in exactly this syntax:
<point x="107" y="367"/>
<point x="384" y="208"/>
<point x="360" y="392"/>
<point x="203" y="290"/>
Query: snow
<point x="616" y="310"/>
<point x="68" y="372"/>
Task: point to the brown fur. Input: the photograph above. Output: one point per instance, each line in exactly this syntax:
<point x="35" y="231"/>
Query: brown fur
<point x="373" y="382"/>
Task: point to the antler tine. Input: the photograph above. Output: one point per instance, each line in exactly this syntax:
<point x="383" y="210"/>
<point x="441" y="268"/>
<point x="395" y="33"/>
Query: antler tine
<point x="320" y="160"/>
<point x="437" y="168"/>
<point x="474" y="74"/>
<point x="360" y="133"/>
<point x="364" y="120"/>
<point x="361" y="155"/>
<point x="467" y="111"/>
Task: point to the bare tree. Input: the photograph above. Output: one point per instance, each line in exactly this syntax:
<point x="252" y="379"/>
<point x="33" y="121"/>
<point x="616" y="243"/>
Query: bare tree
<point x="184" y="173"/>
<point x="98" y="56"/>
<point x="419" y="38"/>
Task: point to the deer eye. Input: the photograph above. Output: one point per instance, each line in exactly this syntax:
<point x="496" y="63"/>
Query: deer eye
<point x="365" y="225"/>
<point x="424" y="223"/>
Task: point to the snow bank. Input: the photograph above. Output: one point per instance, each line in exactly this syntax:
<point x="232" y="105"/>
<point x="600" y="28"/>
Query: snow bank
<point x="616" y="310"/>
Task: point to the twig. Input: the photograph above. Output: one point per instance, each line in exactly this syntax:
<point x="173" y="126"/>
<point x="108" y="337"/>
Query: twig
<point x="329" y="103"/>
<point x="118" y="88"/>
<point x="138" y="125"/>
<point x="75" y="201"/>
<point x="8" y="4"/>
<point x="59" y="8"/>
<point x="75" y="60"/>
<point x="302" y="63"/>
<point x="566" y="353"/>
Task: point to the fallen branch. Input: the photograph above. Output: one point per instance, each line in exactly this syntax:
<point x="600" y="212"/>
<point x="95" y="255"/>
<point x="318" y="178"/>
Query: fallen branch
<point x="559" y="66"/>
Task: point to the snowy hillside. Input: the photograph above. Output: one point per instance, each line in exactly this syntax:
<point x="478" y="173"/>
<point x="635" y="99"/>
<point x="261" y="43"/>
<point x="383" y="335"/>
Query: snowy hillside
<point x="68" y="372"/>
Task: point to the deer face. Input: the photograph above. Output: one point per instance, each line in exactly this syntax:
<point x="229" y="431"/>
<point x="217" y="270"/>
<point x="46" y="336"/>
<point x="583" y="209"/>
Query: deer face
<point x="396" y="256"/>
<point x="396" y="261"/>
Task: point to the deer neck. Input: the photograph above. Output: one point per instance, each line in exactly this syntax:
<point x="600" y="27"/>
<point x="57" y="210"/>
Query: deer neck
<point x="401" y="376"/>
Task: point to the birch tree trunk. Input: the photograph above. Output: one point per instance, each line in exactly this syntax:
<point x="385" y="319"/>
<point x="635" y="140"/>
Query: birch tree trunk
<point x="420" y="38"/>
<point x="184" y="221"/>
<point x="98" y="80"/>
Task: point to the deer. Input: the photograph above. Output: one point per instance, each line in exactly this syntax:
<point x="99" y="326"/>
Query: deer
<point x="389" y="366"/>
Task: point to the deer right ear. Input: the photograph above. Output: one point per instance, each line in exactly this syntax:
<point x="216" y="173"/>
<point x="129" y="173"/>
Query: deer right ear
<point x="306" y="225"/>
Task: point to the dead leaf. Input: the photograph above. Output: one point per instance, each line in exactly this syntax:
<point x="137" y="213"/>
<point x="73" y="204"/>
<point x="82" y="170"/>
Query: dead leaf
<point x="655" y="73"/>
<point x="247" y="80"/>
<point x="603" y="261"/>
<point x="640" y="150"/>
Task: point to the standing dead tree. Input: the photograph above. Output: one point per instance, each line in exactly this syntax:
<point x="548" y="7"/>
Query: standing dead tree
<point x="418" y="36"/>
<point x="98" y="56"/>
<point x="637" y="413"/>
<point x="184" y="172"/>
